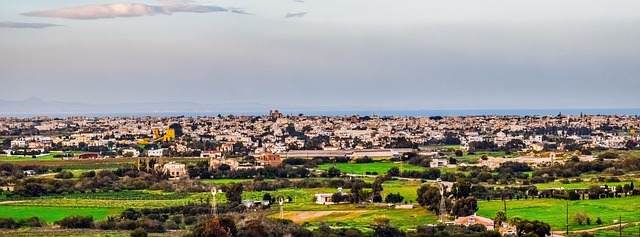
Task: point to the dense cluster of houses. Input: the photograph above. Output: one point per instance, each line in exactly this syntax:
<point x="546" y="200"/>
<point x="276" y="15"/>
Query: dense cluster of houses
<point x="309" y="136"/>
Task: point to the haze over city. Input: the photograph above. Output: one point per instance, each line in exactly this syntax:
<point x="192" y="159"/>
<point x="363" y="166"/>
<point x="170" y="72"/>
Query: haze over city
<point x="329" y="54"/>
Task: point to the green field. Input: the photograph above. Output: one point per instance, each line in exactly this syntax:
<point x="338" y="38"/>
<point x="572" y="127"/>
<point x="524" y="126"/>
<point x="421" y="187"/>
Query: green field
<point x="579" y="185"/>
<point x="629" y="230"/>
<point x="440" y="147"/>
<point x="5" y="158"/>
<point x="553" y="211"/>
<point x="51" y="214"/>
<point x="362" y="168"/>
<point x="225" y="181"/>
<point x="406" y="188"/>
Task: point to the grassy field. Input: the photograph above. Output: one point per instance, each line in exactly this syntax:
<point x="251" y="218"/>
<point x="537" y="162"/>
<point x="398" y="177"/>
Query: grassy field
<point x="406" y="188"/>
<point x="630" y="230"/>
<point x="108" y="163"/>
<point x="585" y="184"/>
<point x="362" y="168"/>
<point x="440" y="147"/>
<point x="301" y="208"/>
<point x="51" y="214"/>
<point x="57" y="232"/>
<point x="49" y="157"/>
<point x="553" y="211"/>
<point x="352" y="215"/>
<point x="225" y="181"/>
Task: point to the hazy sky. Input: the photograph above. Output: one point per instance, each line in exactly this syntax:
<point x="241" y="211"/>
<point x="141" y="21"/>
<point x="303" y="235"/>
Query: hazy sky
<point x="421" y="54"/>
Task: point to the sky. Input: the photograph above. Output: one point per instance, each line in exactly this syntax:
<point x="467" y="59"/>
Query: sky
<point x="348" y="54"/>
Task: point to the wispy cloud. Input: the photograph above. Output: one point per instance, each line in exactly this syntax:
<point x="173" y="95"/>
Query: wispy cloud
<point x="25" y="25"/>
<point x="101" y="11"/>
<point x="295" y="15"/>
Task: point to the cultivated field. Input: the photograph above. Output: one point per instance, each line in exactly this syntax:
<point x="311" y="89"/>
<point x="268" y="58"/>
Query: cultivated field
<point x="553" y="211"/>
<point x="362" y="168"/>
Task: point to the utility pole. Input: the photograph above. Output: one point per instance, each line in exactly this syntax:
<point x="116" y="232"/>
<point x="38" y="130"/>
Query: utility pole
<point x="567" y="215"/>
<point x="620" y="223"/>
<point x="504" y="202"/>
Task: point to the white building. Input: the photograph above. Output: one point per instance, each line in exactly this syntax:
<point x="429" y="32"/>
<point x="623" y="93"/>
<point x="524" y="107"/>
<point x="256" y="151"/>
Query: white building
<point x="173" y="169"/>
<point x="133" y="152"/>
<point x="156" y="153"/>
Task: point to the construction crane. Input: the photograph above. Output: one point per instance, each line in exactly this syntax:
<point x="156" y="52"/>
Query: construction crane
<point x="168" y="136"/>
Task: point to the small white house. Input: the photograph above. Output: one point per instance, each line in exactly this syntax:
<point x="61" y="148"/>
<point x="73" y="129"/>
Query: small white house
<point x="326" y="198"/>
<point x="133" y="152"/>
<point x="156" y="153"/>
<point x="438" y="162"/>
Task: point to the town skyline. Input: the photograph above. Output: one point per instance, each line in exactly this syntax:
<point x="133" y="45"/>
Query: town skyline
<point x="34" y="107"/>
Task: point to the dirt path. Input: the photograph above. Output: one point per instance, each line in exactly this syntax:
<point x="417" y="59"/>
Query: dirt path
<point x="560" y="232"/>
<point x="304" y="216"/>
<point x="10" y="202"/>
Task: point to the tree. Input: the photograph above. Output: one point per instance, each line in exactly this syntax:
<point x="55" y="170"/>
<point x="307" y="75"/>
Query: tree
<point x="394" y="171"/>
<point x="364" y="195"/>
<point x="500" y="217"/>
<point x="336" y="197"/>
<point x="376" y="187"/>
<point x="465" y="207"/>
<point x="377" y="198"/>
<point x="382" y="228"/>
<point x="394" y="198"/>
<point x="458" y="153"/>
<point x="429" y="196"/>
<point x="224" y="167"/>
<point x="266" y="197"/>
<point x="234" y="194"/>
<point x="536" y="227"/>
<point x="356" y="187"/>
<point x="212" y="228"/>
<point x="333" y="172"/>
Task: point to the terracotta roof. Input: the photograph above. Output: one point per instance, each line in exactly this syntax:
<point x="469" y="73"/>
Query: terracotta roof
<point x="473" y="219"/>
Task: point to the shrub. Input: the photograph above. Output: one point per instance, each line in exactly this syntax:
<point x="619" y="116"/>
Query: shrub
<point x="105" y="225"/>
<point x="126" y="225"/>
<point x="150" y="225"/>
<point x="139" y="232"/>
<point x="190" y="220"/>
<point x="580" y="217"/>
<point x="599" y="221"/>
<point x="365" y="159"/>
<point x="8" y="223"/>
<point x="608" y="155"/>
<point x="32" y="222"/>
<point x="64" y="175"/>
<point x="76" y="222"/>
<point x="171" y="225"/>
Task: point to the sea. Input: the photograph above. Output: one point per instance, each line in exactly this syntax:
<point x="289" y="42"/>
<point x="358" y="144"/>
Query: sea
<point x="408" y="113"/>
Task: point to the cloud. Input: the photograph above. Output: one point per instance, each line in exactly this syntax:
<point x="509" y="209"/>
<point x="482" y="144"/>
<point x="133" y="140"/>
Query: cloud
<point x="295" y="15"/>
<point x="101" y="11"/>
<point x="25" y="25"/>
